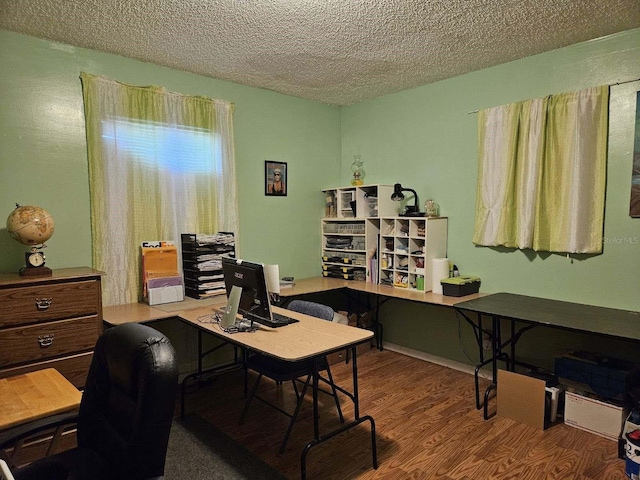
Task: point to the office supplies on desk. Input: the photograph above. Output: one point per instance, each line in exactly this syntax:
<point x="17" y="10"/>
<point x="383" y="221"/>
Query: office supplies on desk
<point x="439" y="270"/>
<point x="460" y="286"/>
<point x="272" y="276"/>
<point x="286" y="282"/>
<point x="202" y="264"/>
<point x="164" y="290"/>
<point x="276" y="320"/>
<point x="161" y="279"/>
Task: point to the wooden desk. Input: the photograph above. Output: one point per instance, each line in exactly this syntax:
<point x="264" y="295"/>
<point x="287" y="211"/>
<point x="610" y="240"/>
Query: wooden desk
<point x="143" y="313"/>
<point x="35" y="395"/>
<point x="382" y="293"/>
<point x="310" y="338"/>
<point x="326" y="284"/>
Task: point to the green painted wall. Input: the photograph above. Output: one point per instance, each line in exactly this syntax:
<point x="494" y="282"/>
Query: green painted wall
<point x="426" y="139"/>
<point x="43" y="157"/>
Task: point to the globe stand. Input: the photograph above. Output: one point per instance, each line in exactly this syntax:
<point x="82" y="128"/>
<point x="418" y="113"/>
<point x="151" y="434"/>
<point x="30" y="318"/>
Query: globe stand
<point x="34" y="270"/>
<point x="31" y="226"/>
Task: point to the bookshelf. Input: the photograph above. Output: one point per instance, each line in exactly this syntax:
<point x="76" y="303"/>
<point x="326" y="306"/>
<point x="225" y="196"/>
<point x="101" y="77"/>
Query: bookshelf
<point x="364" y="238"/>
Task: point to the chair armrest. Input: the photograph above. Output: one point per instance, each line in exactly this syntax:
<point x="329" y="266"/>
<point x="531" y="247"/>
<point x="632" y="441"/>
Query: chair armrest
<point x="12" y="435"/>
<point x="4" y="471"/>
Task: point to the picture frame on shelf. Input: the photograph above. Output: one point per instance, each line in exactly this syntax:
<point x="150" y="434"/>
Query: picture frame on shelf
<point x="275" y="178"/>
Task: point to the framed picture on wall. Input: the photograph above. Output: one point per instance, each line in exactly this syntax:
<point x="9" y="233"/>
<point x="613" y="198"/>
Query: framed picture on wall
<point x="275" y="178"/>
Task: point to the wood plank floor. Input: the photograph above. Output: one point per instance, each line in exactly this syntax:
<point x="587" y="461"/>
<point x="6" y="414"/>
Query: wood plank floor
<point x="427" y="428"/>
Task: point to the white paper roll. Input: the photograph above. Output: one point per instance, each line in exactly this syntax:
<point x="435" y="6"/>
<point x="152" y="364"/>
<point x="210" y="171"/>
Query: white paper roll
<point x="439" y="270"/>
<point x="272" y="272"/>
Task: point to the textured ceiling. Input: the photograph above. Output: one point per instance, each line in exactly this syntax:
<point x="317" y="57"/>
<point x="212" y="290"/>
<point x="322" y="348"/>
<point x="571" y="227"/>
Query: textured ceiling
<point x="333" y="51"/>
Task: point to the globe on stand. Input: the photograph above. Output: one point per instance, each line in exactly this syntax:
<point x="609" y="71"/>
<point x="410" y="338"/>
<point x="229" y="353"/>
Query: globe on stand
<point x="32" y="226"/>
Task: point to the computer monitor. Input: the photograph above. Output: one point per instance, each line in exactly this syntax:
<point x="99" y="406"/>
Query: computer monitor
<point x="254" y="299"/>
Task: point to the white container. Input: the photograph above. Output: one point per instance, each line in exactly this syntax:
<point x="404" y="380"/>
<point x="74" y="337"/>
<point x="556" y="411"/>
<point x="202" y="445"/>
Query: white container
<point x="600" y="418"/>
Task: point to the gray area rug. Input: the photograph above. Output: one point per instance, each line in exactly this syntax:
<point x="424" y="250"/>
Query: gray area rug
<point x="198" y="450"/>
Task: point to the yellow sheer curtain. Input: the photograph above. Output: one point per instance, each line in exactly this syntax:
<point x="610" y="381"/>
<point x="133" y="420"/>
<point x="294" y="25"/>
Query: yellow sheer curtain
<point x="510" y="140"/>
<point x="541" y="173"/>
<point x="160" y="164"/>
<point x="570" y="212"/>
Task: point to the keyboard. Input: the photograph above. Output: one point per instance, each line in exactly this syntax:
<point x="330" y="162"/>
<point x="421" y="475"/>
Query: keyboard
<point x="278" y="320"/>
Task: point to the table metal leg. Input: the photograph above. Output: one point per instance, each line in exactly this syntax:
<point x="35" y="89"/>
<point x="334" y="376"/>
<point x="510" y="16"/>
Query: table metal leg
<point x="496" y="354"/>
<point x="198" y="372"/>
<point x="358" y="420"/>
<point x="316" y="414"/>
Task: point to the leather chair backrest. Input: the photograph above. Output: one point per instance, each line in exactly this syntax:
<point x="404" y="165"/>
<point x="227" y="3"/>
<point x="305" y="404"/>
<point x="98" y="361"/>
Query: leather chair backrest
<point x="128" y="404"/>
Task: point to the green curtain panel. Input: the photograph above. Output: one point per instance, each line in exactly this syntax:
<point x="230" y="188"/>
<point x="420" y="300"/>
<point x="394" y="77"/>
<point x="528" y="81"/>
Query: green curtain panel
<point x="160" y="164"/>
<point x="542" y="173"/>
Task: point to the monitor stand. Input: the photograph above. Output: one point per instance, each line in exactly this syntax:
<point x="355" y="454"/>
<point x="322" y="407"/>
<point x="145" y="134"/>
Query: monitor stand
<point x="231" y="310"/>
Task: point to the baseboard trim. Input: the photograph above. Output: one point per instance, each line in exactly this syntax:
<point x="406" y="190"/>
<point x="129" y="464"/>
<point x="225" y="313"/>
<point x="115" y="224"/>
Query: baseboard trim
<point x="427" y="357"/>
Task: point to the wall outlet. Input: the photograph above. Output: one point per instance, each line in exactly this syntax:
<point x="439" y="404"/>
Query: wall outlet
<point x="486" y="342"/>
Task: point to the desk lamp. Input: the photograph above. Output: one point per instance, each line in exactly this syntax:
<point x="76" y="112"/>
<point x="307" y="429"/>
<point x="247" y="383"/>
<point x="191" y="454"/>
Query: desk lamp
<point x="410" y="210"/>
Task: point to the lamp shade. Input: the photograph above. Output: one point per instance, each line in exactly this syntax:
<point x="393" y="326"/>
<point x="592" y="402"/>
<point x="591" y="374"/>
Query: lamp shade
<point x="397" y="194"/>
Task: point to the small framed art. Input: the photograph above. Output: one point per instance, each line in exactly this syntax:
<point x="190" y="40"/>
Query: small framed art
<point x="275" y="178"/>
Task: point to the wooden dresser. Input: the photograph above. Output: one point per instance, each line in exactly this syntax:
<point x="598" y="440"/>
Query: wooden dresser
<point x="50" y="322"/>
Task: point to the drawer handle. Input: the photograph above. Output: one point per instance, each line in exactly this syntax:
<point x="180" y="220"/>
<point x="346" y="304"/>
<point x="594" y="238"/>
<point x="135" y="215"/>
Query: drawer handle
<point x="43" y="303"/>
<point x="45" y="340"/>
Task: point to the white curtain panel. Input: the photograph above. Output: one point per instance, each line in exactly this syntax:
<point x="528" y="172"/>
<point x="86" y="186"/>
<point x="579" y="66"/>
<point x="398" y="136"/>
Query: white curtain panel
<point x="541" y="173"/>
<point x="160" y="164"/>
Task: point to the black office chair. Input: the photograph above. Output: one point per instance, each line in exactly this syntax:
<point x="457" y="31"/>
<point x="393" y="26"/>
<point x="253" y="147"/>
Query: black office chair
<point x="281" y="371"/>
<point x="125" y="414"/>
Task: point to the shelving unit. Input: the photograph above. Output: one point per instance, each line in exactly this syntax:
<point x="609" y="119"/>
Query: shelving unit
<point x="202" y="262"/>
<point x="343" y="249"/>
<point x="369" y="201"/>
<point x="367" y="240"/>
<point x="407" y="247"/>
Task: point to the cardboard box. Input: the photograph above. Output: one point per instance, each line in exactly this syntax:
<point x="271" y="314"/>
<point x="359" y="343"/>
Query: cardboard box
<point x="591" y="415"/>
<point x="521" y="398"/>
<point x="351" y="320"/>
<point x="341" y="356"/>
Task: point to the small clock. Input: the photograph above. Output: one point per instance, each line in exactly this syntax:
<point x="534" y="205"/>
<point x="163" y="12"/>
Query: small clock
<point x="35" y="265"/>
<point x="35" y="259"/>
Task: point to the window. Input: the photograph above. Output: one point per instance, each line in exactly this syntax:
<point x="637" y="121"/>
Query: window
<point x="160" y="164"/>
